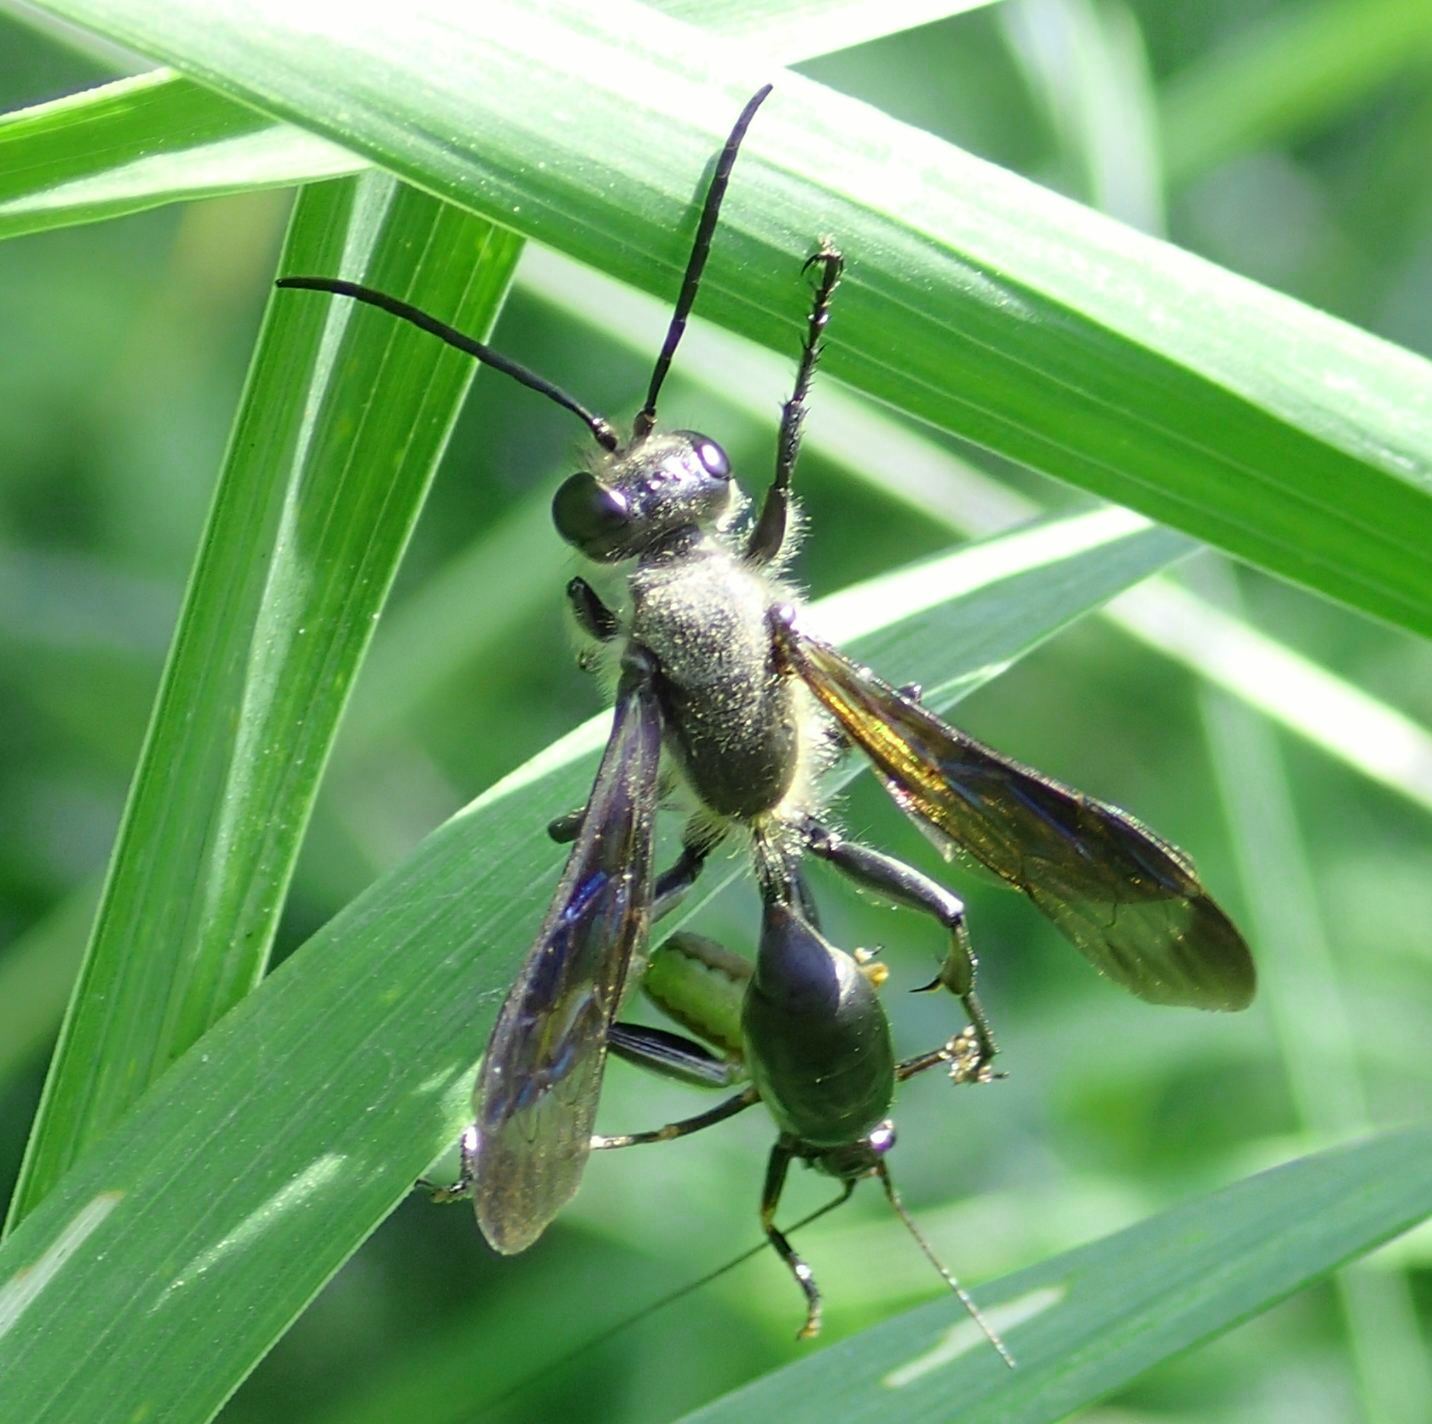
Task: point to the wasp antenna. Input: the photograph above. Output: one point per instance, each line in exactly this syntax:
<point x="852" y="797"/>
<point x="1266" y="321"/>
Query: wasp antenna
<point x="602" y="431"/>
<point x="964" y="1296"/>
<point x="696" y="263"/>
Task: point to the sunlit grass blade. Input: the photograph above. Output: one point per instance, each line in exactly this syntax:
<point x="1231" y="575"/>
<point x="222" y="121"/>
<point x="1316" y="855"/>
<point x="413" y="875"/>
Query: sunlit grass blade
<point x="973" y="299"/>
<point x="791" y="30"/>
<point x="312" y="513"/>
<point x="1085" y="66"/>
<point x="1084" y="1324"/>
<point x="137" y="143"/>
<point x="159" y="1270"/>
<point x="161" y="138"/>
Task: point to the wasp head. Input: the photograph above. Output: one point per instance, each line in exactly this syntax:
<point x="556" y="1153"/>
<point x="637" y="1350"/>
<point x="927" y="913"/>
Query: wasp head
<point x="637" y="497"/>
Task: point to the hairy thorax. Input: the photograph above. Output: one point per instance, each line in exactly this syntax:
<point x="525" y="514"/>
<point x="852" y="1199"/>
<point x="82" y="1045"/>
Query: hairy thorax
<point x="733" y="725"/>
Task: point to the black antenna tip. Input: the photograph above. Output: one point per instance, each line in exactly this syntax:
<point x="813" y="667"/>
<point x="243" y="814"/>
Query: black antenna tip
<point x="601" y="429"/>
<point x="696" y="261"/>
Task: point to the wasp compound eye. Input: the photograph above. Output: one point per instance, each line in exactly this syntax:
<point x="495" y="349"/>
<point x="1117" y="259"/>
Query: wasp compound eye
<point x="588" y="514"/>
<point x="712" y="456"/>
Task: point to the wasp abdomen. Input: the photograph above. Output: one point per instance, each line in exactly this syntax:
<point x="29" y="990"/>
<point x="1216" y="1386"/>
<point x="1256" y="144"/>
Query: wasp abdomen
<point x="817" y="1039"/>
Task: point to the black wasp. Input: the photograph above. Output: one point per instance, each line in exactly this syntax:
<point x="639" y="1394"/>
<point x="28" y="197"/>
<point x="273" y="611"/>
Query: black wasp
<point x="727" y="705"/>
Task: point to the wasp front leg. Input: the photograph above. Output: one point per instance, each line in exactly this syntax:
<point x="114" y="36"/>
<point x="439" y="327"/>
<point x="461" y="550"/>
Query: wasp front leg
<point x="769" y="536"/>
<point x="593" y="616"/>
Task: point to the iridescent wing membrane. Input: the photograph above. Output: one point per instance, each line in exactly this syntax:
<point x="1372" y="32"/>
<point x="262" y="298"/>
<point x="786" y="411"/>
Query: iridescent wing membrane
<point x="1130" y="902"/>
<point x="536" y="1097"/>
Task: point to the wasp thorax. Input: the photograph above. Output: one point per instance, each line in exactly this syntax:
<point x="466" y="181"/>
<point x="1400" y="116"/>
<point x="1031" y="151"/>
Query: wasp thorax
<point x="637" y="497"/>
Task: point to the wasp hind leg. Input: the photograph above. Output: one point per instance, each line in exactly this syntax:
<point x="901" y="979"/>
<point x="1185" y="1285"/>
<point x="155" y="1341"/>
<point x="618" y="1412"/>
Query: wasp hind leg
<point x="701" y="985"/>
<point x="639" y="1045"/>
<point x="959" y="1055"/>
<point x="460" y="1190"/>
<point x="776" y="1168"/>
<point x="970" y="1052"/>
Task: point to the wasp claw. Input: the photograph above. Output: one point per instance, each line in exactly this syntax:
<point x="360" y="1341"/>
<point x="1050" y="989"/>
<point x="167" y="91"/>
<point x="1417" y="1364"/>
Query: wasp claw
<point x="968" y="1061"/>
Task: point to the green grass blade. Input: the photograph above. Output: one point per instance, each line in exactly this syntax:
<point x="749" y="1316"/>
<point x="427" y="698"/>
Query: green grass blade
<point x="975" y="300"/>
<point x="137" y="143"/>
<point x="1302" y="983"/>
<point x="1286" y="76"/>
<point x="791" y="30"/>
<point x="1085" y="67"/>
<point x="155" y="1275"/>
<point x="312" y="513"/>
<point x="161" y="138"/>
<point x="1083" y="1324"/>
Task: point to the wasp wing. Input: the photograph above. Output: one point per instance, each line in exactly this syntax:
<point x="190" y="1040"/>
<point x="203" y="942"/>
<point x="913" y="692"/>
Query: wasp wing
<point x="536" y="1096"/>
<point x="1130" y="902"/>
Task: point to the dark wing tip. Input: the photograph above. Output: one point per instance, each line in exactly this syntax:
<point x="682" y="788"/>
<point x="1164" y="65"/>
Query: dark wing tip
<point x="1229" y="977"/>
<point x="1213" y="966"/>
<point x="1237" y="976"/>
<point x="520" y="1188"/>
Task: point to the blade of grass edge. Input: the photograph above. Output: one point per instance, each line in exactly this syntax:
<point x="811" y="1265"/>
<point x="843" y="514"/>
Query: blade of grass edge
<point x="159" y="137"/>
<point x="318" y="496"/>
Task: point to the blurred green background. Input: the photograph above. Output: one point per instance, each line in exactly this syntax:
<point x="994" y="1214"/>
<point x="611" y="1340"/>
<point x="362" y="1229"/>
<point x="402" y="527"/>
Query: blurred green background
<point x="1292" y="144"/>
